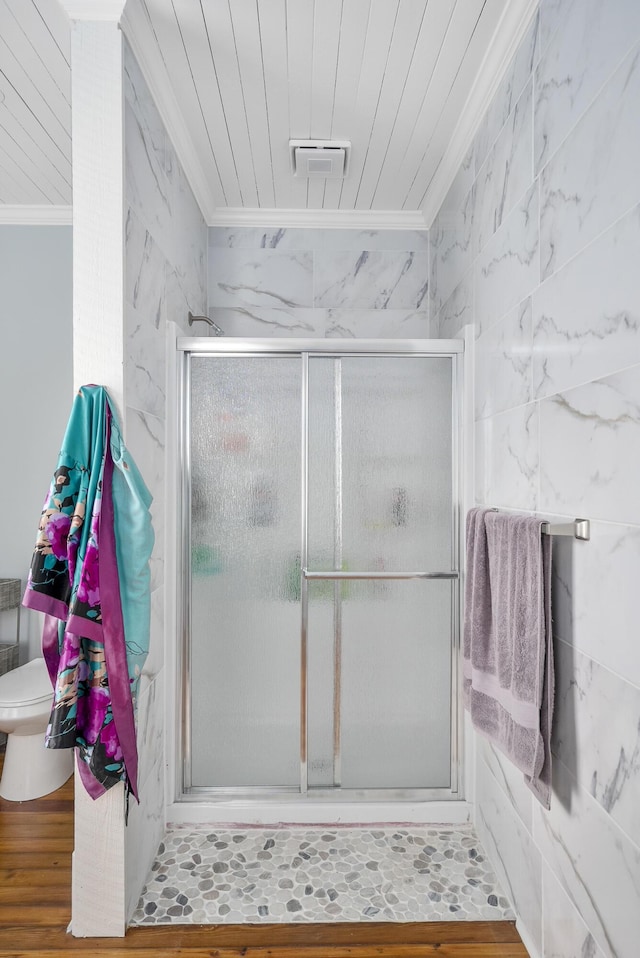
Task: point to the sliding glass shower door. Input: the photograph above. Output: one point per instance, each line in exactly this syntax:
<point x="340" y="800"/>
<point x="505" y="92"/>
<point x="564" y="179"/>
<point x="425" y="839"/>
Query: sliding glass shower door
<point x="321" y="574"/>
<point x="379" y="504"/>
<point x="245" y="571"/>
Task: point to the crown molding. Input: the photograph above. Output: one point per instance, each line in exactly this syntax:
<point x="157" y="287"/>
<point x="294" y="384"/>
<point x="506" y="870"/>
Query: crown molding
<point x="93" y="9"/>
<point x="319" y="219"/>
<point x="35" y="215"/>
<point x="510" y="30"/>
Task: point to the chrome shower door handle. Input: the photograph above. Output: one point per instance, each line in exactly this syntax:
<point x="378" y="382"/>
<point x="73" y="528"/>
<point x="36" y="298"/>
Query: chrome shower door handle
<point x="308" y="574"/>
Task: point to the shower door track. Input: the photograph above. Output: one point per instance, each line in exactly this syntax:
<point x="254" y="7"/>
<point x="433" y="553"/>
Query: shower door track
<point x="331" y="349"/>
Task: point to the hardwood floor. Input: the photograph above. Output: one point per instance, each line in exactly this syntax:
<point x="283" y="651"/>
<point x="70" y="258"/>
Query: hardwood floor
<point x="36" y="839"/>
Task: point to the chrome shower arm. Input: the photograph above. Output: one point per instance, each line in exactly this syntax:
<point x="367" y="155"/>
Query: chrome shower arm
<point x="205" y="319"/>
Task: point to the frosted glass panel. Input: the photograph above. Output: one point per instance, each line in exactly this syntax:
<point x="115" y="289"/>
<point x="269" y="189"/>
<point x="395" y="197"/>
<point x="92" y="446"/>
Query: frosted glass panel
<point x="323" y="482"/>
<point x="384" y="425"/>
<point x="395" y="684"/>
<point x="320" y="684"/>
<point x="245" y="562"/>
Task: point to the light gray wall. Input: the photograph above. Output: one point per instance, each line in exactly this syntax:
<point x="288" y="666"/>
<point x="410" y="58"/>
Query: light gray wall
<point x="36" y="389"/>
<point x="538" y="245"/>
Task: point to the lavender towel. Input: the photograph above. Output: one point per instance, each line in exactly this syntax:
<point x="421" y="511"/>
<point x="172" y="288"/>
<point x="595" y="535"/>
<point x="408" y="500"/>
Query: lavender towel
<point x="507" y="645"/>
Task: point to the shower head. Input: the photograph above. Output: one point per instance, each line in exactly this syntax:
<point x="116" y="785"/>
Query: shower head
<point x="205" y="319"/>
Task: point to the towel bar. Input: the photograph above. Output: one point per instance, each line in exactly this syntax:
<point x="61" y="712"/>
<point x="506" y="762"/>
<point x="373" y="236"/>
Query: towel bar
<point x="578" y="529"/>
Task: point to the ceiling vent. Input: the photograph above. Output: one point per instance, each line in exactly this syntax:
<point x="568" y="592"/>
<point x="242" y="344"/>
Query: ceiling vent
<point x="320" y="159"/>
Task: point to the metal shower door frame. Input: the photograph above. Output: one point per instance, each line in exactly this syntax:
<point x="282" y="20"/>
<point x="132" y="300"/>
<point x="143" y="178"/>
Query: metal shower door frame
<point x="336" y="350"/>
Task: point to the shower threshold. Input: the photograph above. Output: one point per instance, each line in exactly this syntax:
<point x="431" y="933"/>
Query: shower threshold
<point x="202" y="808"/>
<point x="286" y="874"/>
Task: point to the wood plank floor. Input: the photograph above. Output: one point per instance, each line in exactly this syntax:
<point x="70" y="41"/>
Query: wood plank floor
<point x="36" y="839"/>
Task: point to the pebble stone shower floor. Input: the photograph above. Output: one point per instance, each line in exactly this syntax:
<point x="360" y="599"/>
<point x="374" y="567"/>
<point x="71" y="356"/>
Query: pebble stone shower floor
<point x="209" y="875"/>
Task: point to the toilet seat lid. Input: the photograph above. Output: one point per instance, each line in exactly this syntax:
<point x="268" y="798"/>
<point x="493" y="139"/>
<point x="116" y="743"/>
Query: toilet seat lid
<point x="27" y="684"/>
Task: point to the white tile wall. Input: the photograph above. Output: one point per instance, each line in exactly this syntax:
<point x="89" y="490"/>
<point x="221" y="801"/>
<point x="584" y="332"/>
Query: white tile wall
<point x="298" y="238"/>
<point x="452" y="240"/>
<point x="507" y="171"/>
<point x="590" y="449"/>
<point x="508" y="459"/>
<point x="555" y="302"/>
<point x="504" y="363"/>
<point x="507" y="269"/>
<point x="585" y="692"/>
<point x="457" y="311"/>
<point x="319" y="283"/>
<point x="370" y="279"/>
<point x="265" y="277"/>
<point x="592" y="178"/>
<point x="565" y="933"/>
<point x="605" y="631"/>
<point x="515" y="858"/>
<point x="594" y="861"/>
<point x="165" y="276"/>
<point x="584" y="327"/>
<point x="593" y="39"/>
<point x="516" y="78"/>
<point x="511" y="781"/>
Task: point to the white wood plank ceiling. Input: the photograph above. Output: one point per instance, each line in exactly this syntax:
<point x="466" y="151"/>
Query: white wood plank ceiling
<point x="35" y="104"/>
<point x="391" y="76"/>
<point x="236" y="79"/>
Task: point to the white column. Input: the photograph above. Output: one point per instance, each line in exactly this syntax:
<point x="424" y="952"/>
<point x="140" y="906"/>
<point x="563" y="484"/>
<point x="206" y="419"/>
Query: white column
<point x="98" y="205"/>
<point x="98" y="883"/>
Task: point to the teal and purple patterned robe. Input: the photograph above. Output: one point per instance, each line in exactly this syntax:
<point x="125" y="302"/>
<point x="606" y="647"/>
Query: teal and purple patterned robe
<point x="90" y="576"/>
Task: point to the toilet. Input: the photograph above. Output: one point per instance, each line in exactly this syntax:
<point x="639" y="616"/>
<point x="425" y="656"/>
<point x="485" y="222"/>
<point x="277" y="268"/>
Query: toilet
<point x="30" y="770"/>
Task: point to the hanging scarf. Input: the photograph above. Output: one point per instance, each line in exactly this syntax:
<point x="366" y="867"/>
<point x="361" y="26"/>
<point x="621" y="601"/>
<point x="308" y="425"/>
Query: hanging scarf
<point x="90" y="576"/>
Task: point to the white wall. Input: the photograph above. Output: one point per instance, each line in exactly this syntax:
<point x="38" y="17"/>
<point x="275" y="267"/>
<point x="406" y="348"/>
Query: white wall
<point x="35" y="391"/>
<point x="98" y="294"/>
<point x="538" y="245"/>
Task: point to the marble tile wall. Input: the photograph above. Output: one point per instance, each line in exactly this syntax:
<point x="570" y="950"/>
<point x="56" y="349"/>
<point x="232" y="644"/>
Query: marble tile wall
<point x="538" y="245"/>
<point x="165" y="277"/>
<point x="314" y="282"/>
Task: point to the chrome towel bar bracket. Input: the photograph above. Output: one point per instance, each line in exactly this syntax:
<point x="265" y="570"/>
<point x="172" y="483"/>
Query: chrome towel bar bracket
<point x="579" y="529"/>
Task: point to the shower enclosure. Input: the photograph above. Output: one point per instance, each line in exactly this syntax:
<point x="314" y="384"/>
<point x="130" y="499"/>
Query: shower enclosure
<point x="320" y="598"/>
